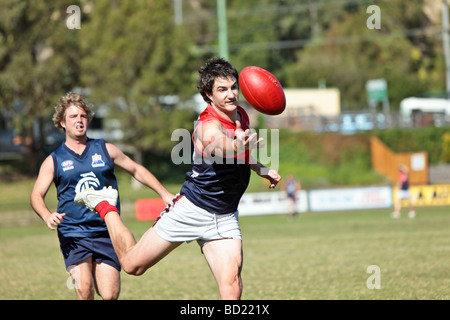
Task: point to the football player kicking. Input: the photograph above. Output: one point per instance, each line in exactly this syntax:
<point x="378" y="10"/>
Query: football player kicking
<point x="205" y="210"/>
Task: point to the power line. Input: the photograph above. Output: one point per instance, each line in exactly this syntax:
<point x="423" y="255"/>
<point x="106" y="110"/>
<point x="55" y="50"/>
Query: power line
<point x="279" y="9"/>
<point x="266" y="10"/>
<point x="298" y="44"/>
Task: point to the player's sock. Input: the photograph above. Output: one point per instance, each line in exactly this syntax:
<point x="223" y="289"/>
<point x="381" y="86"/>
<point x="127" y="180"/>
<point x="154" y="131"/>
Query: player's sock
<point x="105" y="207"/>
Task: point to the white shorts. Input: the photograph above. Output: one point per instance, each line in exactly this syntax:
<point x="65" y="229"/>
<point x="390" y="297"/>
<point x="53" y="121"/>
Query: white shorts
<point x="185" y="222"/>
<point x="403" y="194"/>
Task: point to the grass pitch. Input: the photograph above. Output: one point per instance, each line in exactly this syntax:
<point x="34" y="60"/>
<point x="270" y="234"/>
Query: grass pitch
<point x="313" y="256"/>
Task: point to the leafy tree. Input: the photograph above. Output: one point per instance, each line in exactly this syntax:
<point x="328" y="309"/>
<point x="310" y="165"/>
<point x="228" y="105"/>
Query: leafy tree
<point x="131" y="53"/>
<point x="38" y="61"/>
<point x="268" y="33"/>
<point x="304" y="42"/>
<point x="349" y="54"/>
<point x="133" y="56"/>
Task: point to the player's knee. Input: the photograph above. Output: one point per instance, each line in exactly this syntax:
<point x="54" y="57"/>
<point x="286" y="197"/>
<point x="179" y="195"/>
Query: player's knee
<point x="112" y="295"/>
<point x="133" y="269"/>
<point x="231" y="292"/>
<point x="136" y="272"/>
<point x="231" y="289"/>
<point x="85" y="293"/>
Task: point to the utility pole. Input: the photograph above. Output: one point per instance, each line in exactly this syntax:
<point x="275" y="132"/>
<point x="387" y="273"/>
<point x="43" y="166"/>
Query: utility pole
<point x="222" y="21"/>
<point x="178" y="12"/>
<point x="446" y="45"/>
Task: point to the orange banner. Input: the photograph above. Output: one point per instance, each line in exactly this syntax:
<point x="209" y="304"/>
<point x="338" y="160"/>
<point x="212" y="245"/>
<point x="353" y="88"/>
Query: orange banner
<point x="148" y="209"/>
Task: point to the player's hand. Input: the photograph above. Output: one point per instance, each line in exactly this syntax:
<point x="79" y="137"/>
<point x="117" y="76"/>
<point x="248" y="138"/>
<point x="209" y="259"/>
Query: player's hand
<point x="245" y="140"/>
<point x="168" y="199"/>
<point x="54" y="219"/>
<point x="273" y="176"/>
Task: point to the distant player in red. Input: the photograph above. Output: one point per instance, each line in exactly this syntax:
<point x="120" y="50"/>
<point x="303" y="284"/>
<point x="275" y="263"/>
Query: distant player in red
<point x="206" y="208"/>
<point x="403" y="193"/>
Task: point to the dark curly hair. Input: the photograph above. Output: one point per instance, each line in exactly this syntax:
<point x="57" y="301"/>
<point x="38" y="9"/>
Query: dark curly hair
<point x="214" y="68"/>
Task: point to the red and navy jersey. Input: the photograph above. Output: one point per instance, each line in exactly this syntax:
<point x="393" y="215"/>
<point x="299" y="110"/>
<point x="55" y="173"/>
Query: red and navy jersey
<point x="217" y="184"/>
<point x="404" y="183"/>
<point x="73" y="173"/>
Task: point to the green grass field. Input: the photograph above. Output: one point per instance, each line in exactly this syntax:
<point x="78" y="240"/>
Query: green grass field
<point x="314" y="256"/>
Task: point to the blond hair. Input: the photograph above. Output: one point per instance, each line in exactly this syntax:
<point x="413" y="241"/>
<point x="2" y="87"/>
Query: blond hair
<point x="71" y="99"/>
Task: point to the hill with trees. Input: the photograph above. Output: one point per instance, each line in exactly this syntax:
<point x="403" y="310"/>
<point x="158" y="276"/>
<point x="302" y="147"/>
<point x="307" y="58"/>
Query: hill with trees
<point x="132" y="54"/>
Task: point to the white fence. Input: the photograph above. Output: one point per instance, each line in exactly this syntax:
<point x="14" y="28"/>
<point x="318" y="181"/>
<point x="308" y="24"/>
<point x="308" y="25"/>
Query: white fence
<point x="317" y="200"/>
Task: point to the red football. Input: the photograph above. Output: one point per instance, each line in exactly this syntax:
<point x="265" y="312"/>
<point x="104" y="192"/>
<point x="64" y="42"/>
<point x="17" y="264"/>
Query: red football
<point x="262" y="90"/>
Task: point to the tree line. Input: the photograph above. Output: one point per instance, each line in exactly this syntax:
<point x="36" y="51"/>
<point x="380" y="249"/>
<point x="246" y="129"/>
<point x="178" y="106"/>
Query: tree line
<point x="129" y="54"/>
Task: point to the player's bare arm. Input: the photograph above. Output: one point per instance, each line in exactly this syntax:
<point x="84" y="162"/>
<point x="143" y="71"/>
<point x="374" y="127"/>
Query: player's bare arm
<point x="139" y="172"/>
<point x="40" y="189"/>
<point x="271" y="175"/>
<point x="211" y="138"/>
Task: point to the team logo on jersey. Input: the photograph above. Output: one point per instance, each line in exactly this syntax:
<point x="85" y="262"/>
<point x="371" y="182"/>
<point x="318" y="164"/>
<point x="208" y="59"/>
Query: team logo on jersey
<point x="194" y="174"/>
<point x="67" y="165"/>
<point x="88" y="180"/>
<point x="97" y="161"/>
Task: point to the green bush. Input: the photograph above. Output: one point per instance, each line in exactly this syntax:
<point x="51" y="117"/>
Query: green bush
<point x="427" y="139"/>
<point x="445" y="154"/>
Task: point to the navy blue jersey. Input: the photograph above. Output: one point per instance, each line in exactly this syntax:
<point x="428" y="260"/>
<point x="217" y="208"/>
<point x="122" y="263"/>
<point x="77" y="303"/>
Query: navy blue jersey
<point x="217" y="185"/>
<point x="73" y="173"/>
